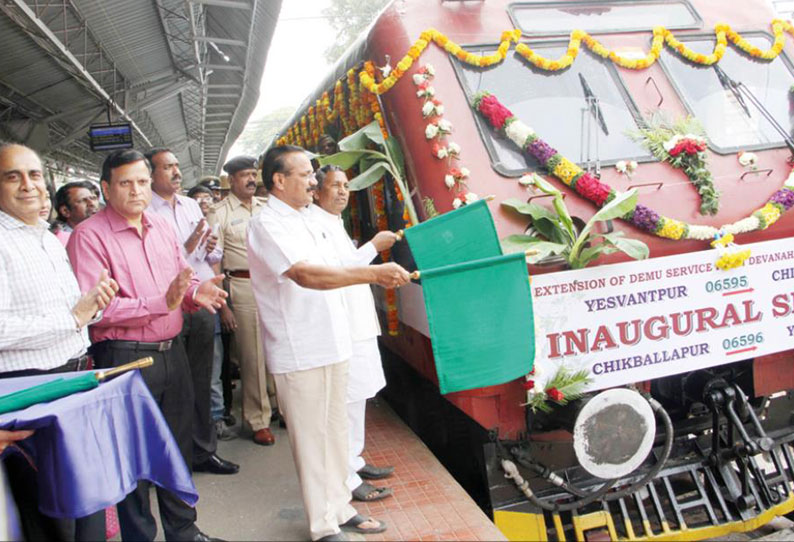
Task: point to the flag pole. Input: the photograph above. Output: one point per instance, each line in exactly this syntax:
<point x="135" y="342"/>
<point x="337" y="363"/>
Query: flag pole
<point x="416" y="275"/>
<point x="139" y="364"/>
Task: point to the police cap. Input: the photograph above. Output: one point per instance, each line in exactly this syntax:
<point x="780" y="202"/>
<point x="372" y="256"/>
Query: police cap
<point x="239" y="163"/>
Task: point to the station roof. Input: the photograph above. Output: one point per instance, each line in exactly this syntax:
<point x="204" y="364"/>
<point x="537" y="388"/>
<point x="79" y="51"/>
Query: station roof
<point x="185" y="73"/>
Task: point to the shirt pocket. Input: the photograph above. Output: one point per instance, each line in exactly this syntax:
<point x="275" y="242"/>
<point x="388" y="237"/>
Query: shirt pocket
<point x="238" y="231"/>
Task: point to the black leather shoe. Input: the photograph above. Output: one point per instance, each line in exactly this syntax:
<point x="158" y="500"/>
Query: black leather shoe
<point x="201" y="537"/>
<point x="216" y="465"/>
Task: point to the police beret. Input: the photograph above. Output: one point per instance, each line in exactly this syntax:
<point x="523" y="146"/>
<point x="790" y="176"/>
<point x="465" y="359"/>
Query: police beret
<point x="239" y="163"/>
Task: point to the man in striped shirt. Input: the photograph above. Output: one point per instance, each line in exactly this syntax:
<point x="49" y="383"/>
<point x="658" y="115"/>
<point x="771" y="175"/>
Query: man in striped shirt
<point x="43" y="318"/>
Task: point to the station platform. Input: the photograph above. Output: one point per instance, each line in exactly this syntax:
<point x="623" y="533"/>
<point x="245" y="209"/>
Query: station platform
<point x="262" y="501"/>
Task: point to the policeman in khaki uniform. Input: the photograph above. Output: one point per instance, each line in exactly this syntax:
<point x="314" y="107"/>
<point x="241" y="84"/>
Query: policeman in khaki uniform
<point x="230" y="217"/>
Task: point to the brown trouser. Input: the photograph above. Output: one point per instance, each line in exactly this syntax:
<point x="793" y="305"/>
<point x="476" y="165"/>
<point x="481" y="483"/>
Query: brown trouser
<point x="259" y="389"/>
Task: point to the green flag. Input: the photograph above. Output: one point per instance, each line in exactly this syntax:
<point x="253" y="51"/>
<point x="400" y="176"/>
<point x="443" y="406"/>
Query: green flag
<point x="481" y="325"/>
<point x="465" y="234"/>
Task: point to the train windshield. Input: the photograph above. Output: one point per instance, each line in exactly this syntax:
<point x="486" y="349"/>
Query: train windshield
<point x="543" y="18"/>
<point x="556" y="106"/>
<point x="725" y="98"/>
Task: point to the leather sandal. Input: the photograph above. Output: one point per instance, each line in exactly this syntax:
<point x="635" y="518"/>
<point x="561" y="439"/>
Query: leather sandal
<point x="371" y="472"/>
<point x="354" y="525"/>
<point x="368" y="493"/>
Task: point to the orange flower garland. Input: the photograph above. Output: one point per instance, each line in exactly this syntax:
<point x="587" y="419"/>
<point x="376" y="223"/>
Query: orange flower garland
<point x="354" y="111"/>
<point x="661" y="36"/>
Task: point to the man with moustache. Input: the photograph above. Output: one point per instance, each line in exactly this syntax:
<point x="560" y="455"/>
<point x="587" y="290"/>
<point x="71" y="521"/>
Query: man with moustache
<point x="198" y="328"/>
<point x="74" y="202"/>
<point x="143" y="255"/>
<point x="231" y="216"/>
<point x="365" y="377"/>
<point x="297" y="279"/>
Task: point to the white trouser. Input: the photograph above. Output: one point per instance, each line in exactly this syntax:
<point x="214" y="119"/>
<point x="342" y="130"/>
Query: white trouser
<point x="313" y="403"/>
<point x="356" y="412"/>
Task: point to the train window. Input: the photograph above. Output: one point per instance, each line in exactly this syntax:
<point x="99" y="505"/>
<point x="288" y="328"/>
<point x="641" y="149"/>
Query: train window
<point x="554" y="104"/>
<point x="547" y="18"/>
<point x="734" y="116"/>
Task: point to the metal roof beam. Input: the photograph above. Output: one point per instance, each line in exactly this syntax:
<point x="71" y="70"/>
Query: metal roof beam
<point x="230" y="67"/>
<point x="235" y="4"/>
<point x="161" y="95"/>
<point x="53" y="40"/>
<point x="221" y="41"/>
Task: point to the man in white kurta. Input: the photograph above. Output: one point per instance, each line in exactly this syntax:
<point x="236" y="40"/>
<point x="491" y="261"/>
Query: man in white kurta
<point x="365" y="376"/>
<point x="296" y="277"/>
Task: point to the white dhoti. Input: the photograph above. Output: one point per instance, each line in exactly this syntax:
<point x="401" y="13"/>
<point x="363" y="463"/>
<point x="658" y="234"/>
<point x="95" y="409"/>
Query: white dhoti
<point x="365" y="379"/>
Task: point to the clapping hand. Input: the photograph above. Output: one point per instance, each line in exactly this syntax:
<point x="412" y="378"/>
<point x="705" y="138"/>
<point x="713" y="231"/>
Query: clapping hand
<point x="198" y="237"/>
<point x="96" y="299"/>
<point x="209" y="296"/>
<point x="177" y="288"/>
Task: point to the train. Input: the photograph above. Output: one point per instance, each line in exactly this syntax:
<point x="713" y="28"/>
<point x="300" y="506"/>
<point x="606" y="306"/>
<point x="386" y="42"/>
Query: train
<point x="567" y="108"/>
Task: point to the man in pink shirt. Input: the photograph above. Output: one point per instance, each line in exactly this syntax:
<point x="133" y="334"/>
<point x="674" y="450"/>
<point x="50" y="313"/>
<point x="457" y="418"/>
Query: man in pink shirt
<point x="144" y="319"/>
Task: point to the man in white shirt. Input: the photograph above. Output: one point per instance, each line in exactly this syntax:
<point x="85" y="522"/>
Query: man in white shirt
<point x="365" y="377"/>
<point x="198" y="328"/>
<point x="43" y="319"/>
<point x="296" y="276"/>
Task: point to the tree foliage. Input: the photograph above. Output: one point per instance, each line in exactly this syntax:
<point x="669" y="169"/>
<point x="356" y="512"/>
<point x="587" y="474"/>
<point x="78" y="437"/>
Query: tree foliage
<point x="349" y="18"/>
<point x="258" y="134"/>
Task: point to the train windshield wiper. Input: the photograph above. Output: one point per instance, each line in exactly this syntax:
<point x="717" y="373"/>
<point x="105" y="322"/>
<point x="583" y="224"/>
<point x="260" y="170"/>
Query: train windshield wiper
<point x="741" y="92"/>
<point x="729" y="84"/>
<point x="593" y="104"/>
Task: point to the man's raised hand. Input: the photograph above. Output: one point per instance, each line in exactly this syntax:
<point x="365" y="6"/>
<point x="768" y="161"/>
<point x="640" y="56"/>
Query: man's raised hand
<point x="209" y="295"/>
<point x="177" y="288"/>
<point x="96" y="299"/>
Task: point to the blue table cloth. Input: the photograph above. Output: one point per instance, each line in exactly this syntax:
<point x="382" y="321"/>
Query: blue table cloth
<point x="91" y="448"/>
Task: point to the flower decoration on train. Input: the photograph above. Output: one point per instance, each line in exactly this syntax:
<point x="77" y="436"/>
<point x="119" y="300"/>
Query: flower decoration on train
<point x="455" y="176"/>
<point x="425" y="90"/>
<point x="626" y="167"/>
<point x="681" y="144"/>
<point x="642" y="217"/>
<point x="432" y="107"/>
<point x="439" y="151"/>
<point x="564" y="385"/>
<point x="662" y="37"/>
<point x="424" y="73"/>
<point x="748" y="160"/>
<point x="464" y="198"/>
<point x="453" y="149"/>
<point x="731" y="256"/>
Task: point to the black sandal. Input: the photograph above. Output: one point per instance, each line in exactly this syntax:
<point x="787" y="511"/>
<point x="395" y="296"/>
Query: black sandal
<point x="368" y="493"/>
<point x="353" y="525"/>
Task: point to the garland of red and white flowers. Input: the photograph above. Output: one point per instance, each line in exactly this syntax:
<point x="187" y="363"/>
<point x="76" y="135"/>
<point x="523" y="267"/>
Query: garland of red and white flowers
<point x="589" y="187"/>
<point x="436" y="131"/>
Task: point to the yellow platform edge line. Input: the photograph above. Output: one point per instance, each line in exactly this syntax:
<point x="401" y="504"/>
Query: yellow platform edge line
<point x="522" y="526"/>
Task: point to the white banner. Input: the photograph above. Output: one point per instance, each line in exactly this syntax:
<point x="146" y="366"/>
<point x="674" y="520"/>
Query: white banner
<point x="641" y="320"/>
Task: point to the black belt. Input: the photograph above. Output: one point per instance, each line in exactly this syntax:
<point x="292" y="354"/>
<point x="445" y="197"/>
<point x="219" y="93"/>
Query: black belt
<point x="75" y="364"/>
<point x="161" y="346"/>
<point x="240" y="274"/>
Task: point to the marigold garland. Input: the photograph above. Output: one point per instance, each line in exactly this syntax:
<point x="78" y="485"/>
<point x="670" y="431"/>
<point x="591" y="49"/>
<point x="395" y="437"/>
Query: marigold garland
<point x="351" y="111"/>
<point x="661" y="36"/>
<point x="589" y="187"/>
